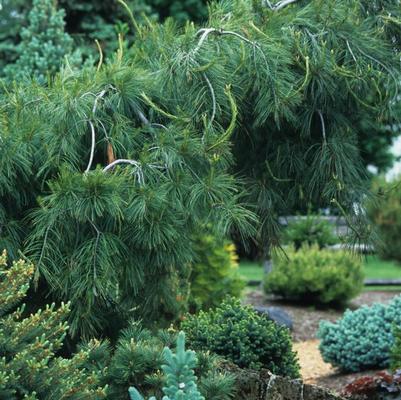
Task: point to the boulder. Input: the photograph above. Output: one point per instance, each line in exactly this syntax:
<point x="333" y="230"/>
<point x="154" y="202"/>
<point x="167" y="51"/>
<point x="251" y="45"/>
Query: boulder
<point x="263" y="385"/>
<point x="276" y="314"/>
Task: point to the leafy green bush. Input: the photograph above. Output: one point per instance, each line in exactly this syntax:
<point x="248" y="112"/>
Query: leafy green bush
<point x="180" y="376"/>
<point x="361" y="339"/>
<point x="311" y="230"/>
<point x="385" y="212"/>
<point x="239" y="334"/>
<point x="29" y="367"/>
<point x="314" y="275"/>
<point x="138" y="358"/>
<point x="215" y="273"/>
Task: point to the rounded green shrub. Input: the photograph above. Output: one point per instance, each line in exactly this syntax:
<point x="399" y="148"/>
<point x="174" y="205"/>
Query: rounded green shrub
<point x="362" y="339"/>
<point x="215" y="274"/>
<point x="315" y="275"/>
<point x="385" y="213"/>
<point x="239" y="334"/>
<point x="311" y="230"/>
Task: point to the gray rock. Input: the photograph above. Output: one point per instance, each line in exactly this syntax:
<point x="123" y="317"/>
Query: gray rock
<point x="263" y="385"/>
<point x="276" y="314"/>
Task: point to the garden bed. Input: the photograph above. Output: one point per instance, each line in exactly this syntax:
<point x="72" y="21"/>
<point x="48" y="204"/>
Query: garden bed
<point x="306" y="321"/>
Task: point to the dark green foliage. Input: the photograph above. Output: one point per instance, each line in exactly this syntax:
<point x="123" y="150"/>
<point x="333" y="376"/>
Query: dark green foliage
<point x="320" y="137"/>
<point x="395" y="363"/>
<point x="90" y="20"/>
<point x="362" y="339"/>
<point x="310" y="230"/>
<point x="215" y="273"/>
<point x="385" y="213"/>
<point x="317" y="276"/>
<point x="239" y="334"/>
<point x="180" y="376"/>
<point x="12" y="17"/>
<point x="180" y="10"/>
<point x="44" y="44"/>
<point x="102" y="237"/>
<point x="116" y="239"/>
<point x="29" y="367"/>
<point x="137" y="362"/>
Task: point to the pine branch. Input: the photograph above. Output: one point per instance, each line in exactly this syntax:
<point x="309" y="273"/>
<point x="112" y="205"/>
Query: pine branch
<point x="207" y="31"/>
<point x="213" y="98"/>
<point x="93" y="133"/>
<point x="323" y="126"/>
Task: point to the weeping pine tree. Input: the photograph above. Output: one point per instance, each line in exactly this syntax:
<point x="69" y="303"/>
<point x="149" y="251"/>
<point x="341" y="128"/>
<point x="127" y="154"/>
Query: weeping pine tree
<point x="108" y="172"/>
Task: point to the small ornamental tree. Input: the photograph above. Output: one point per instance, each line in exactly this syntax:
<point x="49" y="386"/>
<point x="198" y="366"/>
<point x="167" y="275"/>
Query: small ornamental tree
<point x="29" y="368"/>
<point x="44" y="44"/>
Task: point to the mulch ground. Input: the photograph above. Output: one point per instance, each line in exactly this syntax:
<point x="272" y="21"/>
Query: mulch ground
<point x="306" y="321"/>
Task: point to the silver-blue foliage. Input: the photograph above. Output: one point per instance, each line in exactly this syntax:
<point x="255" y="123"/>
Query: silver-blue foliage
<point x="363" y="338"/>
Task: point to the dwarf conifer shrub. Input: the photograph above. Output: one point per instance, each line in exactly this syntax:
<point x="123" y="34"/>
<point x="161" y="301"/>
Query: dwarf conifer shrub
<point x="361" y="339"/>
<point x="310" y="230"/>
<point x="137" y="361"/>
<point x="314" y="275"/>
<point x="214" y="273"/>
<point x="239" y="334"/>
<point x="180" y="376"/>
<point x="29" y="367"/>
<point x="44" y="43"/>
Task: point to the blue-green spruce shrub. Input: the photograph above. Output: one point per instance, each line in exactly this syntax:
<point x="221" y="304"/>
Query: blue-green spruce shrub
<point x="363" y="338"/>
<point x="180" y="376"/>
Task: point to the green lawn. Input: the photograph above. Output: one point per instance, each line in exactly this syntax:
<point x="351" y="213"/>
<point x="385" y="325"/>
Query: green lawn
<point x="374" y="269"/>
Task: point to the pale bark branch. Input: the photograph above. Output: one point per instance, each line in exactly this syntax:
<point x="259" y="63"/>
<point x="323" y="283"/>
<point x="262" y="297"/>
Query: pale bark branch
<point x="280" y="5"/>
<point x="323" y="126"/>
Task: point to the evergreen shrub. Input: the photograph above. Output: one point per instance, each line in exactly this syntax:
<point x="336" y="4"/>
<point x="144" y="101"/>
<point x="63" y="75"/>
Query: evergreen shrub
<point x="361" y="339"/>
<point x="311" y="230"/>
<point x="215" y="274"/>
<point x="44" y="43"/>
<point x="180" y="376"/>
<point x="314" y="275"/>
<point x="29" y="367"/>
<point x="396" y="350"/>
<point x="137" y="362"/>
<point x="385" y="213"/>
<point x="238" y="333"/>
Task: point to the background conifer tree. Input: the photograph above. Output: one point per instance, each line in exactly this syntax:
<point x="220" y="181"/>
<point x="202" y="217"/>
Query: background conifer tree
<point x="44" y="44"/>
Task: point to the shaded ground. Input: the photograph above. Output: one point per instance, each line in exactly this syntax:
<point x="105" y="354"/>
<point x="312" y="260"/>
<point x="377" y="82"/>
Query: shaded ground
<point x="306" y="322"/>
